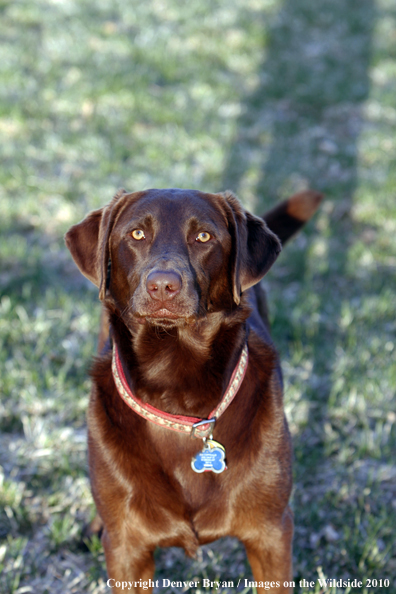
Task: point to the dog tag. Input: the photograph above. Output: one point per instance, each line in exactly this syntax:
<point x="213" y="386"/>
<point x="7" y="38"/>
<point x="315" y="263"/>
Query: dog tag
<point x="211" y="458"/>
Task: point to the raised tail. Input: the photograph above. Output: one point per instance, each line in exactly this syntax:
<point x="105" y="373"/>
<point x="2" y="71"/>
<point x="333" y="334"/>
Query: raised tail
<point x="287" y="217"/>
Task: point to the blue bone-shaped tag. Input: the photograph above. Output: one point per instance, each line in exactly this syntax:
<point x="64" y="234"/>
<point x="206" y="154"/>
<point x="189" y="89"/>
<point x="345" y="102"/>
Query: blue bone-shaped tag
<point x="212" y="458"/>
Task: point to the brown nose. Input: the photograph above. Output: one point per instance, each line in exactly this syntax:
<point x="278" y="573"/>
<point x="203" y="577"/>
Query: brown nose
<point x="163" y="285"/>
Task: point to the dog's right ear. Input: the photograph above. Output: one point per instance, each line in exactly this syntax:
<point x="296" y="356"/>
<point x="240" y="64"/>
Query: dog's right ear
<point x="83" y="241"/>
<point x="88" y="243"/>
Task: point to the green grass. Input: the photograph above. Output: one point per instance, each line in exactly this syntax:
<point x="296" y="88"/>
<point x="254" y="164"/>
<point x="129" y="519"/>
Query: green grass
<point x="259" y="96"/>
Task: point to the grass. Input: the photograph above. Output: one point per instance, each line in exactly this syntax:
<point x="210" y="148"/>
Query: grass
<point x="260" y="96"/>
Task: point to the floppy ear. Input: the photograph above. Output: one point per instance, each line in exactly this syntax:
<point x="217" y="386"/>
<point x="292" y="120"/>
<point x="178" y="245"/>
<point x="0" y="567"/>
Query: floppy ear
<point x="88" y="243"/>
<point x="82" y="241"/>
<point x="255" y="247"/>
<point x="261" y="250"/>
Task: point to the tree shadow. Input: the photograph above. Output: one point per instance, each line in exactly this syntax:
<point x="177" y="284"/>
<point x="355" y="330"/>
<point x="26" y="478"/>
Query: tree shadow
<point x="300" y="128"/>
<point x="301" y="124"/>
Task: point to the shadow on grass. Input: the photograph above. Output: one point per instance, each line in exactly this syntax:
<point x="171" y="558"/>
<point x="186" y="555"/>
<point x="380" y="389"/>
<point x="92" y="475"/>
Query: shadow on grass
<point x="301" y="126"/>
<point x="303" y="121"/>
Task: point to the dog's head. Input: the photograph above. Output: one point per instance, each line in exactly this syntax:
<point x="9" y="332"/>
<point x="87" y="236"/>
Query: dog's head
<point x="171" y="256"/>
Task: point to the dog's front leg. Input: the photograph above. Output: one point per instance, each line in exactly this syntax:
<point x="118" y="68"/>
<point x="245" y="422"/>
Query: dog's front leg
<point x="130" y="565"/>
<point x="271" y="557"/>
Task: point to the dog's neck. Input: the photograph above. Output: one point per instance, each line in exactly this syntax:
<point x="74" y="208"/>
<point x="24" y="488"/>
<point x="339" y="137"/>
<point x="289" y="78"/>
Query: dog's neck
<point x="173" y="369"/>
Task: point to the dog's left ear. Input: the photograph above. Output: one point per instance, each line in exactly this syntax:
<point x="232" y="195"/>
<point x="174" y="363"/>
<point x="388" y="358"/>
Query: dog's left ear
<point x="261" y="250"/>
<point x="255" y="247"/>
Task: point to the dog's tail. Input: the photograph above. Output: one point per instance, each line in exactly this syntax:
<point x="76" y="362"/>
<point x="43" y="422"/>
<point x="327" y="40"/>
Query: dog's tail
<point x="287" y="217"/>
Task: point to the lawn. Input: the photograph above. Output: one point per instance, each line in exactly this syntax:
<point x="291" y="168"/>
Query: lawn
<point x="262" y="97"/>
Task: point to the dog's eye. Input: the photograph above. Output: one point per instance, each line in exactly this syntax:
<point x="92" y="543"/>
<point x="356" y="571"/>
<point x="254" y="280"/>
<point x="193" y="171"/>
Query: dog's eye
<point x="203" y="237"/>
<point x="138" y="234"/>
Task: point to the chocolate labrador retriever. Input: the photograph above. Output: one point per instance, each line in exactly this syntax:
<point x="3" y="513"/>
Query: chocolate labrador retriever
<point x="187" y="436"/>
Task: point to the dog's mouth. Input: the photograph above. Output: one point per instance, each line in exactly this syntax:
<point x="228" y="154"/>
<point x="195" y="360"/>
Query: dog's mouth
<point x="166" y="318"/>
<point x="163" y="313"/>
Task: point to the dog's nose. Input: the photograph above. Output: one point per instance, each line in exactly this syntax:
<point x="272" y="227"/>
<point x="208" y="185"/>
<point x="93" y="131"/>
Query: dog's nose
<point x="163" y="285"/>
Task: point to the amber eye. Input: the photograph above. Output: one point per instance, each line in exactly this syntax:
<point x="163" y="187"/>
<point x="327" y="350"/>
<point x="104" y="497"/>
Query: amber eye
<point x="138" y="234"/>
<point x="203" y="237"/>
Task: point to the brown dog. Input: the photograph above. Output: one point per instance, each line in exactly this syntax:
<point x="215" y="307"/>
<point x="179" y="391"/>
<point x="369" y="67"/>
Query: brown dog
<point x="189" y="361"/>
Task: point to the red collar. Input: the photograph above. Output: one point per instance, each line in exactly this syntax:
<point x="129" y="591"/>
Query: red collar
<point x="190" y="425"/>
